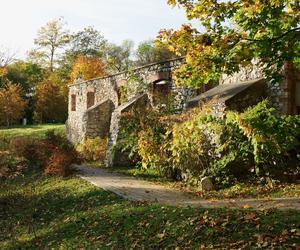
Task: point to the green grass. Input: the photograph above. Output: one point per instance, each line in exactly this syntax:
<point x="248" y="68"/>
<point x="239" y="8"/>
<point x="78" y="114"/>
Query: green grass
<point x="32" y="131"/>
<point x="39" y="212"/>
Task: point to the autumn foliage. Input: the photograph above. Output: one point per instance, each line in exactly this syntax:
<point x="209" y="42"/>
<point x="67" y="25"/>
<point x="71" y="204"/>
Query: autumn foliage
<point x="51" y="102"/>
<point x="12" y="105"/>
<point x="88" y="68"/>
<point x="232" y="34"/>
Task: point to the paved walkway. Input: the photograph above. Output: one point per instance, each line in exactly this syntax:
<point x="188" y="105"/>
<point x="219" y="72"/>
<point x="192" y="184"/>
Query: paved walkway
<point x="141" y="190"/>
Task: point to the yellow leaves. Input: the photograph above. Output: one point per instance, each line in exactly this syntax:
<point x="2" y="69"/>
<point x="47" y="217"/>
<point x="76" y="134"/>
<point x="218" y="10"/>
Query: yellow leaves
<point x="3" y="71"/>
<point x="172" y="2"/>
<point x="88" y="68"/>
<point x="12" y="105"/>
<point x="250" y="216"/>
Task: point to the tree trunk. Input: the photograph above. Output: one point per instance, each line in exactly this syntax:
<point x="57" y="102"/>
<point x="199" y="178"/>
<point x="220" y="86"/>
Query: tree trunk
<point x="52" y="59"/>
<point x="290" y="88"/>
<point x="7" y="122"/>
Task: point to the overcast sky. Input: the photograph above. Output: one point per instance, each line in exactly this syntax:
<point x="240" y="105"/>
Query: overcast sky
<point x="118" y="20"/>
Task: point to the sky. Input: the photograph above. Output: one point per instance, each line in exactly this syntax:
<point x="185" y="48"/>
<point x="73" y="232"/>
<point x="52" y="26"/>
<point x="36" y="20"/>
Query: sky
<point x="137" y="20"/>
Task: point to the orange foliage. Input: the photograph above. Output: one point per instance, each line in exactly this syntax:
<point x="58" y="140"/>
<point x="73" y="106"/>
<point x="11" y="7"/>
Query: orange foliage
<point x="12" y="105"/>
<point x="3" y="71"/>
<point x="51" y="104"/>
<point x="59" y="163"/>
<point x="88" y="68"/>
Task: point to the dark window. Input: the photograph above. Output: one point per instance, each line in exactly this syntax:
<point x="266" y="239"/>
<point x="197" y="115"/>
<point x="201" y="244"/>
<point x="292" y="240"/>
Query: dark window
<point x="90" y="99"/>
<point x="73" y="102"/>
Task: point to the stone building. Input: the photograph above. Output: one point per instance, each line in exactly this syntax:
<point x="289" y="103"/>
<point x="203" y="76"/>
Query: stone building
<point x="249" y="86"/>
<point x="96" y="106"/>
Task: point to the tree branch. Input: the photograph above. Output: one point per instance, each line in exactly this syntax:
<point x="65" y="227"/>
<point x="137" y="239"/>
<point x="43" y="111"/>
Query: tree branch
<point x="275" y="38"/>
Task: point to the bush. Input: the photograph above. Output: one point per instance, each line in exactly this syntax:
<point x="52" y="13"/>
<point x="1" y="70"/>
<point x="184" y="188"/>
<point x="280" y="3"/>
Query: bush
<point x="93" y="149"/>
<point x="273" y="138"/>
<point x="54" y="153"/>
<point x="35" y="152"/>
<point x="253" y="144"/>
<point x="60" y="163"/>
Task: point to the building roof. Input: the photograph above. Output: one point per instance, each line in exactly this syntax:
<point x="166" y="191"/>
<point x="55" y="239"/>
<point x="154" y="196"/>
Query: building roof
<point x="223" y="92"/>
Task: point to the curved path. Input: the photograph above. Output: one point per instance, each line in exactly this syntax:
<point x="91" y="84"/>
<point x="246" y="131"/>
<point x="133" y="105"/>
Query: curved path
<point x="141" y="190"/>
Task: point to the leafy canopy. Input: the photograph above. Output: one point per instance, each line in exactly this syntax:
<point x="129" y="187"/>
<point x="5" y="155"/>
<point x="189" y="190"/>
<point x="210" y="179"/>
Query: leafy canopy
<point x="233" y="33"/>
<point x="88" y="68"/>
<point x="12" y="105"/>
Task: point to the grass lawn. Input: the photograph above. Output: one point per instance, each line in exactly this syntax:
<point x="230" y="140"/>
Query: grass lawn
<point x="32" y="131"/>
<point x="39" y="212"/>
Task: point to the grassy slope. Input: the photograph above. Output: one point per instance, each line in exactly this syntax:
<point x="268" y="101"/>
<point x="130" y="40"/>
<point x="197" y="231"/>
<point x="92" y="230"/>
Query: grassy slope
<point x="39" y="211"/>
<point x="33" y="131"/>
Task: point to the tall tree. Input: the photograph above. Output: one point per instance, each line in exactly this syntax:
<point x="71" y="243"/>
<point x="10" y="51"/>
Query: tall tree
<point x="51" y="101"/>
<point x="118" y="57"/>
<point x="27" y="74"/>
<point x="50" y="39"/>
<point x="12" y="105"/>
<point x="235" y="31"/>
<point x="6" y="57"/>
<point x="150" y="52"/>
<point x="87" y="68"/>
<point x="87" y="42"/>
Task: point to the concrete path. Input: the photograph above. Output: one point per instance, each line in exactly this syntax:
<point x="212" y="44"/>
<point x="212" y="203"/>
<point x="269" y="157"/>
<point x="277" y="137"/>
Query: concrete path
<point x="141" y="190"/>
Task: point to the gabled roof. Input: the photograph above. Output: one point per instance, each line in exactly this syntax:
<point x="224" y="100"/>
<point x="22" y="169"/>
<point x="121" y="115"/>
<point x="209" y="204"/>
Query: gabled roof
<point x="223" y="92"/>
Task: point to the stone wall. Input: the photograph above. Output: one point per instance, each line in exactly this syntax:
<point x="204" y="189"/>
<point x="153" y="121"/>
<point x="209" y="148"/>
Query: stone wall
<point x="113" y="156"/>
<point x="279" y="93"/>
<point x="85" y="121"/>
<point x="105" y="89"/>
<point x="97" y="119"/>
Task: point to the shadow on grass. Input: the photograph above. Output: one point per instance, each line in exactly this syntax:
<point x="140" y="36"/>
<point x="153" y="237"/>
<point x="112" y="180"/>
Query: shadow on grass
<point x="69" y="213"/>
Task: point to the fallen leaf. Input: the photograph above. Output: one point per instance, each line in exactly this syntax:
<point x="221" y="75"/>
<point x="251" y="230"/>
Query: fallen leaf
<point x="250" y="216"/>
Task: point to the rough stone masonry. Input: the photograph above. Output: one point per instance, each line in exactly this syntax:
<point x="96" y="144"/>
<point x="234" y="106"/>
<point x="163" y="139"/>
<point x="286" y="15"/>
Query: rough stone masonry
<point x="95" y="106"/>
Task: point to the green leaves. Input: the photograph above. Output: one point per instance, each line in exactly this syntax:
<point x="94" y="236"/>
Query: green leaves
<point x="238" y="31"/>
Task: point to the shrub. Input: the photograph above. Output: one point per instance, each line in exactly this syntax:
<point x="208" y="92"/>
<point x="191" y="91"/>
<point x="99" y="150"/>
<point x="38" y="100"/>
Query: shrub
<point x="132" y="125"/>
<point x="60" y="162"/>
<point x="93" y="149"/>
<point x="256" y="143"/>
<point x="272" y="137"/>
<point x="63" y="154"/>
<point x="31" y="150"/>
<point x="54" y="153"/>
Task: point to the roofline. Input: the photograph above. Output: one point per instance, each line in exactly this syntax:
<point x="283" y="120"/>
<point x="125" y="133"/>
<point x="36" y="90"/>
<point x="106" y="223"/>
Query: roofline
<point x="125" y="71"/>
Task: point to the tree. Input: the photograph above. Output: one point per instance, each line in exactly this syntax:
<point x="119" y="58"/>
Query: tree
<point x="12" y="105"/>
<point x="50" y="38"/>
<point x="6" y="57"/>
<point x="118" y="57"/>
<point x="51" y="101"/>
<point x="27" y="74"/>
<point x="88" y="68"/>
<point x="88" y="42"/>
<point x="149" y="52"/>
<point x="234" y="33"/>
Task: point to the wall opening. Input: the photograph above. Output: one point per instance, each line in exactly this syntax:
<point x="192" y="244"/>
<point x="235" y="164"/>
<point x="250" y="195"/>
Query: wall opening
<point x="90" y="99"/>
<point x="73" y="102"/>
